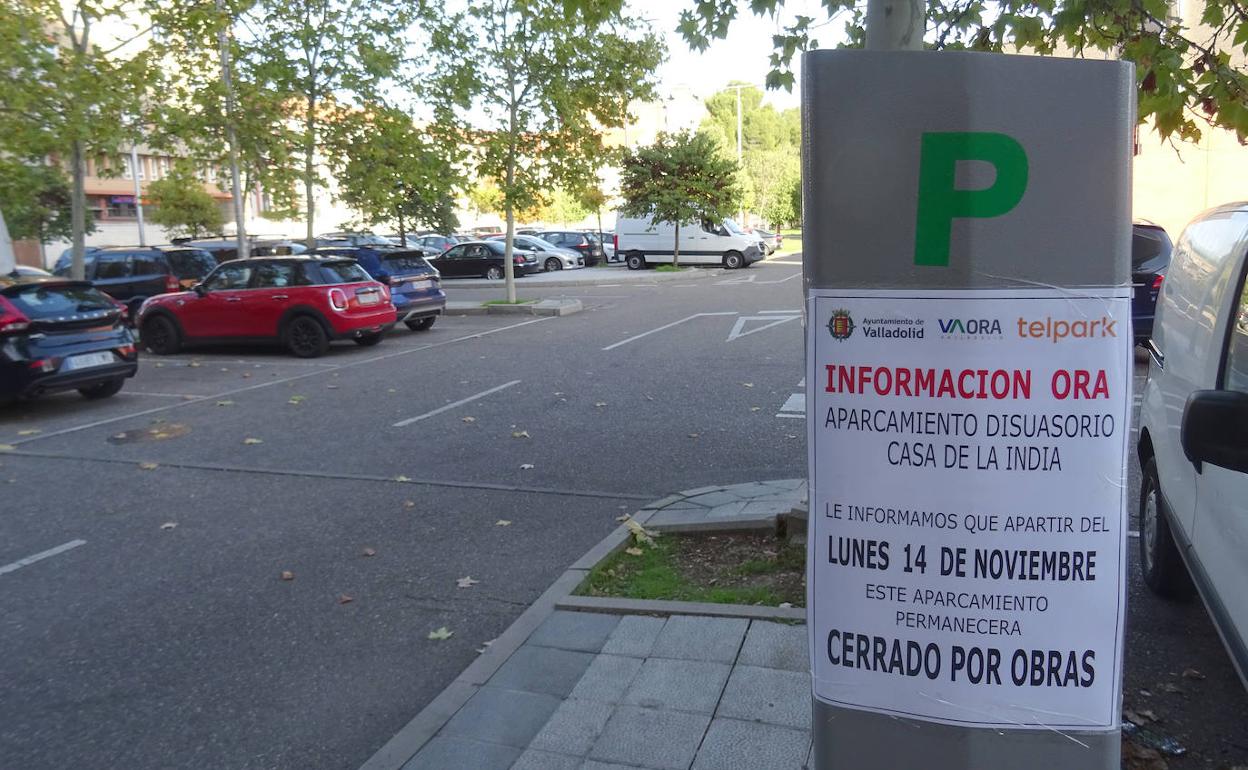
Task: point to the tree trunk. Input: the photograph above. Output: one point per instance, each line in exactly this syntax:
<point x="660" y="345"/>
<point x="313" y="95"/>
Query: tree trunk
<point x="309" y="168"/>
<point x="509" y="268"/>
<point x="402" y="230"/>
<point x="78" y="211"/>
<point x="598" y="211"/>
<point x="676" y="248"/>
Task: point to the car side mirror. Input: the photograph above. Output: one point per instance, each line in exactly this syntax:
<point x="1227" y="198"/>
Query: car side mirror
<point x="1215" y="429"/>
<point x="199" y="289"/>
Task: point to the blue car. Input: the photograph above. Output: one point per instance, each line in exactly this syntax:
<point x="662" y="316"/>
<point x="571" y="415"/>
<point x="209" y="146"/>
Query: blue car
<point x="1150" y="258"/>
<point x="415" y="286"/>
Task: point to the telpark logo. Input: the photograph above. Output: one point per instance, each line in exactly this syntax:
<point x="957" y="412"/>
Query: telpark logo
<point x="1059" y="329"/>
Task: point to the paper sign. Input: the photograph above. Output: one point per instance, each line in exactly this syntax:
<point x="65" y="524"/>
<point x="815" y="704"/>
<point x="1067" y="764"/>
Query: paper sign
<point x="968" y="503"/>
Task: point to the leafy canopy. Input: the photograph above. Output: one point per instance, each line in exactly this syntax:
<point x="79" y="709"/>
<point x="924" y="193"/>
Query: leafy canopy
<point x="35" y="200"/>
<point x="680" y="178"/>
<point x="1189" y="70"/>
<point x="182" y="205"/>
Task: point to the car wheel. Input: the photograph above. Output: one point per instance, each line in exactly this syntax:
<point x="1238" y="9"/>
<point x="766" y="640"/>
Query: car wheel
<point x="368" y="340"/>
<point x="636" y="261"/>
<point x="160" y="335"/>
<point x="422" y="324"/>
<point x="306" y="338"/>
<point x="1160" y="561"/>
<point x="494" y="273"/>
<point x="733" y="260"/>
<point x="553" y="264"/>
<point x="103" y="389"/>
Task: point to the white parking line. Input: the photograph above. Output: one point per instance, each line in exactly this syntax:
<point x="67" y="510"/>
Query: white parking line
<point x="665" y="327"/>
<point x="29" y="560"/>
<point x="448" y="407"/>
<point x="795" y="311"/>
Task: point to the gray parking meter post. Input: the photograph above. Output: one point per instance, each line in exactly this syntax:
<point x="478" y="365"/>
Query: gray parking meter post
<point x="942" y="177"/>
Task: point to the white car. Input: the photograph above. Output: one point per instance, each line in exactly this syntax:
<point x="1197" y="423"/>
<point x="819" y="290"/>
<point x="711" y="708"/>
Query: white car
<point x="645" y="242"/>
<point x="550" y="256"/>
<point x="1193" y="443"/>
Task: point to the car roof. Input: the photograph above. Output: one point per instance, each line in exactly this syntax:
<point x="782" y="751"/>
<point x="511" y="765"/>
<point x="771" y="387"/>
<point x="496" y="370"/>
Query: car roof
<point x="9" y="280"/>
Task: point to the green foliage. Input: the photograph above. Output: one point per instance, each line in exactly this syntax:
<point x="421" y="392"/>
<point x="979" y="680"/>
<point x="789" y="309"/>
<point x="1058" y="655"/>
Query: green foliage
<point x="182" y="205"/>
<point x="35" y="200"/>
<point x="1189" y="70"/>
<point x="485" y="197"/>
<point x="540" y="93"/>
<point x="389" y="170"/>
<point x="770" y="148"/>
<point x="681" y="178"/>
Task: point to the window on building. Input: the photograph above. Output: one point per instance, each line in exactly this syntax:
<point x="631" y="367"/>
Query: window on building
<point x="121" y="207"/>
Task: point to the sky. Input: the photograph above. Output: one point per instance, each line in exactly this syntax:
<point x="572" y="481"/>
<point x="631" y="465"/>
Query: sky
<point x="742" y="56"/>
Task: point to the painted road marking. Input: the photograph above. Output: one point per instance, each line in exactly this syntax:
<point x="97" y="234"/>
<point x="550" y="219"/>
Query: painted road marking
<point x="29" y="560"/>
<point x="448" y="407"/>
<point x="738" y="329"/>
<point x="753" y="278"/>
<point x="795" y="405"/>
<point x="664" y="327"/>
<point x="795" y="311"/>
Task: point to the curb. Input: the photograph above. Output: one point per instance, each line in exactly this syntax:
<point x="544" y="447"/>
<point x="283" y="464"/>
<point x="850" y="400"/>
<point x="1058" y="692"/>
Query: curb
<point x="546" y="307"/>
<point x="664" y="607"/>
<point x="692" y="274"/>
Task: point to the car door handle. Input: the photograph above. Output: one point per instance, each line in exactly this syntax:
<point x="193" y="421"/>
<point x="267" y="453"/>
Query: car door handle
<point x="279" y="296"/>
<point x="233" y="299"/>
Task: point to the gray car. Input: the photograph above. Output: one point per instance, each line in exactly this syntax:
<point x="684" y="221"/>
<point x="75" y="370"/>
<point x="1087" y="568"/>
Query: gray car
<point x="550" y="256"/>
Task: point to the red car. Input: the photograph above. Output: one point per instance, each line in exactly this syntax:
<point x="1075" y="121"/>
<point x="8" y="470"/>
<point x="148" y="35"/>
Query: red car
<point x="300" y="302"/>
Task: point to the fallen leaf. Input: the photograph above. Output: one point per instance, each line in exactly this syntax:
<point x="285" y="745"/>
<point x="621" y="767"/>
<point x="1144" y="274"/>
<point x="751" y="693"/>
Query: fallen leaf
<point x="633" y="551"/>
<point x="189" y="398"/>
<point x="391" y="390"/>
<point x="247" y="374"/>
<point x="1171" y="688"/>
<point x="755" y="408"/>
<point x="600" y="403"/>
<point x="194" y="364"/>
<point x="649" y="398"/>
<point x="253" y="441"/>
<point x="1191" y="673"/>
<point x="225" y="368"/>
<point x="748" y="384"/>
<point x="1149" y="714"/>
<point x="790" y="435"/>
<point x="640" y="533"/>
<point x="331" y="387"/>
<point x="149" y="466"/>
<point x="623" y="517"/>
<point x="169" y="525"/>
<point x="296" y="400"/>
<point x="785" y="605"/>
<point x="7" y="447"/>
<point x="344" y="599"/>
<point x="1136" y="757"/>
<point x="401" y="478"/>
<point x="502" y="523"/>
<point x="226" y="402"/>
<point x="29" y="432"/>
<point x="119" y="436"/>
<point x="409" y="503"/>
<point x="1132" y="716"/>
<point x="694" y="435"/>
<point x="527" y="466"/>
<point x="520" y="434"/>
<point x="1146" y="693"/>
<point x="287" y="575"/>
<point x="368" y="552"/>
<point x="468" y="419"/>
<point x="159" y="365"/>
<point x="466" y="582"/>
<point x="441" y="633"/>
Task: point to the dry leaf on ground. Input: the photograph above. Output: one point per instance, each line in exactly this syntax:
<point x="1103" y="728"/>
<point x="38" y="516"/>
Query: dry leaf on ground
<point x="1191" y="673"/>
<point x="296" y="400"/>
<point x="369" y="552"/>
<point x="748" y="384"/>
<point x="168" y="525"/>
<point x="527" y="467"/>
<point x="502" y="523"/>
<point x="520" y="434"/>
<point x="287" y="575"/>
<point x="7" y="447"/>
<point x="633" y="551"/>
<point x="253" y="441"/>
<point x="441" y="633"/>
<point x="409" y="503"/>
<point x="401" y="478"/>
<point x="466" y="582"/>
<point x="29" y="432"/>
<point x="148" y="466"/>
<point x="600" y="403"/>
<point x="344" y="599"/>
<point x="226" y="402"/>
<point x="468" y="419"/>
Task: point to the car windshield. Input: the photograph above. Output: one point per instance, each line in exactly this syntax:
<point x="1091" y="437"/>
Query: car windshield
<point x="733" y="227"/>
<point x="405" y="263"/>
<point x="190" y="263"/>
<point x="50" y="301"/>
<point x="344" y="272"/>
<point x="1149" y="245"/>
<point x="373" y="240"/>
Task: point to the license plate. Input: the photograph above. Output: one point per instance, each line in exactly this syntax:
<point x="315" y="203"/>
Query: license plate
<point x="87" y="360"/>
<point x="421" y="283"/>
<point x="369" y="298"/>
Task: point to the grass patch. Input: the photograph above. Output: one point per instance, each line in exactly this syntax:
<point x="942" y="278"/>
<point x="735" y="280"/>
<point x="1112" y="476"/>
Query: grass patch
<point x="792" y="242"/>
<point x="505" y="302"/>
<point x="722" y="569"/>
<point x="669" y="269"/>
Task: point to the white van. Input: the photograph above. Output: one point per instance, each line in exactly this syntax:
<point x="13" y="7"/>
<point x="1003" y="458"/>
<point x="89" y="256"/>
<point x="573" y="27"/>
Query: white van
<point x="1193" y="443"/>
<point x="644" y="242"/>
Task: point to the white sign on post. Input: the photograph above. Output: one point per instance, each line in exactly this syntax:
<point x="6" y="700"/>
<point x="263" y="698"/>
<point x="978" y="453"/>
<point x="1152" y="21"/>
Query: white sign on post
<point x="968" y="503"/>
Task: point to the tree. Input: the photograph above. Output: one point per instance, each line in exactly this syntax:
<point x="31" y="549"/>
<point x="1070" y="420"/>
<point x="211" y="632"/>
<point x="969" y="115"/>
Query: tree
<point x="331" y="57"/>
<point x="66" y="96"/>
<point x="1187" y="72"/>
<point x="772" y="174"/>
<point x="485" y="197"/>
<point x="35" y="200"/>
<point x="542" y="93"/>
<point x="390" y="170"/>
<point x="593" y="198"/>
<point x="681" y="178"/>
<point x="182" y="205"/>
<point x="770" y="144"/>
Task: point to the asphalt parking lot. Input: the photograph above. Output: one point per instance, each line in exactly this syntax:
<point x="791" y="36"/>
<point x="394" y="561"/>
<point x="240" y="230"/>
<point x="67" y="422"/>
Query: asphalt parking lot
<point x="496" y="447"/>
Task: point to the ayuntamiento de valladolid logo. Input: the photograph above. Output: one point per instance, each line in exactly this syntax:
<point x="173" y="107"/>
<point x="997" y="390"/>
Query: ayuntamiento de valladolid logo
<point x="841" y="325"/>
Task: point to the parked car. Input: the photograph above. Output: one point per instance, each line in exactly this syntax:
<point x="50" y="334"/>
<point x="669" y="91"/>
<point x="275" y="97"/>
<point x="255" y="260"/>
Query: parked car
<point x="433" y="243"/>
<point x="132" y="274"/>
<point x="354" y="239"/>
<point x="223" y="249"/>
<point x="57" y="335"/>
<point x="483" y="258"/>
<point x="1193" y="436"/>
<point x="583" y="243"/>
<point x="769" y="239"/>
<point x="607" y="241"/>
<point x="1150" y="258"/>
<point x="550" y="256"/>
<point x="415" y="286"/>
<point x="736" y="229"/>
<point x="27" y="271"/>
<point x="643" y="242"/>
<point x="300" y="302"/>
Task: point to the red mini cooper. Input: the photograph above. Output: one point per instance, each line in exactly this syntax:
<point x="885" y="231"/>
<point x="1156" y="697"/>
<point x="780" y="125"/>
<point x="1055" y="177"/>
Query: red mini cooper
<point x="300" y="302"/>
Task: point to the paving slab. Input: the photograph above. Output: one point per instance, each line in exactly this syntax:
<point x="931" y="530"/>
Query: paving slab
<point x="694" y="638"/>
<point x="545" y="760"/>
<point x="713" y="499"/>
<point x="574" y="727"/>
<point x="776" y="645"/>
<point x="607" y="679"/>
<point x="444" y="752"/>
<point x="767" y="695"/>
<point x="734" y="745"/>
<point x="495" y="715"/>
<point x="667" y="740"/>
<point x="634" y="636"/>
<point x="585" y="631"/>
<point x="682" y="685"/>
<point x="542" y="670"/>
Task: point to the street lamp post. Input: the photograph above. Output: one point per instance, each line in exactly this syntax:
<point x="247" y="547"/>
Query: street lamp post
<point x="138" y="192"/>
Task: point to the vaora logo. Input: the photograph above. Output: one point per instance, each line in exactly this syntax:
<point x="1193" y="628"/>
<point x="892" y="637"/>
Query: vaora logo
<point x="970" y="327"/>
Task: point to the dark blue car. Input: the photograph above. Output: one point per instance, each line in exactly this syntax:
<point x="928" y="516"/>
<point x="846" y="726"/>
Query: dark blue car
<point x="1150" y="258"/>
<point x="415" y="286"/>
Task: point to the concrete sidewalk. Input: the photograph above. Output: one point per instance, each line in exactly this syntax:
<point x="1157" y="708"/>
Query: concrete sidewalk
<point x="613" y="274"/>
<point x="598" y="683"/>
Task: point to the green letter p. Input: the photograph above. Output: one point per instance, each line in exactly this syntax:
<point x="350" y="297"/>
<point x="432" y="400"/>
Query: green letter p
<point x="940" y="203"/>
